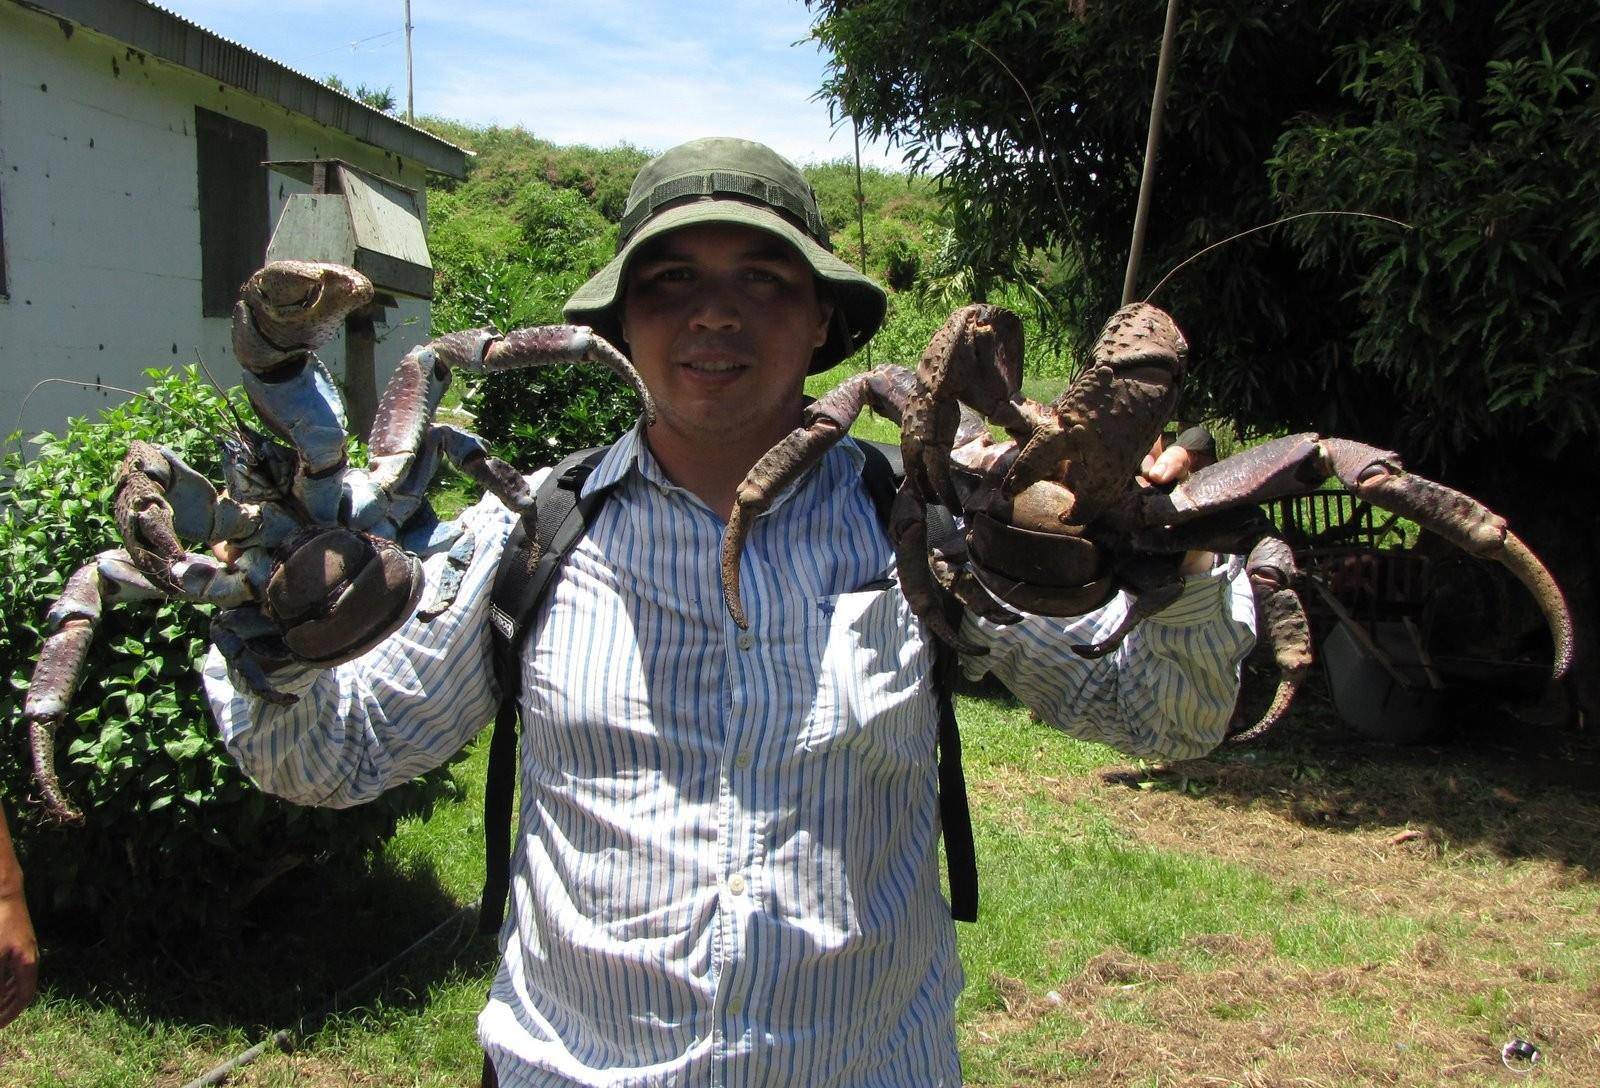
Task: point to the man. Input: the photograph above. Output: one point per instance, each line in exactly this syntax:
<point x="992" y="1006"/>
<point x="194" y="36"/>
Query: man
<point x="726" y="868"/>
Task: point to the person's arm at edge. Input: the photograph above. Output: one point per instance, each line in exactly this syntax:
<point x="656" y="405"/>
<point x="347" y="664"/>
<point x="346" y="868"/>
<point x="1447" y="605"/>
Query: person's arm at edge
<point x="381" y="720"/>
<point x="19" y="949"/>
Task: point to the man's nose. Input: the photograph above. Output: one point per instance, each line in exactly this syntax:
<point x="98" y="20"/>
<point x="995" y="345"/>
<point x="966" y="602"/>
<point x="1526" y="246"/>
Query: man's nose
<point x="716" y="307"/>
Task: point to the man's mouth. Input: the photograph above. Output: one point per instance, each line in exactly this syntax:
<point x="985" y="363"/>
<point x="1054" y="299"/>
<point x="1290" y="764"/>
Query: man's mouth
<point x="713" y="364"/>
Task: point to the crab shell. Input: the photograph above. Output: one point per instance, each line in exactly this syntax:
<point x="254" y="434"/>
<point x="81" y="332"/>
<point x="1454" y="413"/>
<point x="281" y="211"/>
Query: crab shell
<point x="337" y="593"/>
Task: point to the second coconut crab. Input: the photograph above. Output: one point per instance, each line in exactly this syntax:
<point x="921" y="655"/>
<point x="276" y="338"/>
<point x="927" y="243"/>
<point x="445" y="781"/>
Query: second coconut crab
<point x="1055" y="517"/>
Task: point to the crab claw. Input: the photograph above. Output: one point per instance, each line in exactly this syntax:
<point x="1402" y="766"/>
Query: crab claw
<point x="1376" y="476"/>
<point x="1282" y="626"/>
<point x="291" y="307"/>
<point x="974" y="359"/>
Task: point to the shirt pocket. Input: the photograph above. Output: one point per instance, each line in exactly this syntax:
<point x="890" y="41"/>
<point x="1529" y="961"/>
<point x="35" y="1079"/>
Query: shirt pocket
<point x="874" y="697"/>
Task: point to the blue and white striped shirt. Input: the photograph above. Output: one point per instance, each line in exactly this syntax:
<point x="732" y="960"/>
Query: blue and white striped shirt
<point x="727" y="864"/>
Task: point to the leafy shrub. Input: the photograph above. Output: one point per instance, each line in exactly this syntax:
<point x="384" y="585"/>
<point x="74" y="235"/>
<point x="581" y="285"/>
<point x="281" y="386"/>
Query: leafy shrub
<point x="175" y="834"/>
<point x="534" y="417"/>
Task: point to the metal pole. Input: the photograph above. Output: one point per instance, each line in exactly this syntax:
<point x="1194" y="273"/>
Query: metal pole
<point x="861" y="216"/>
<point x="410" y="117"/>
<point x="1158" y="106"/>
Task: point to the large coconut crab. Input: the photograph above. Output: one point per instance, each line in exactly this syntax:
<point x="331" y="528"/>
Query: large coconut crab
<point x="1056" y="519"/>
<point x="326" y="554"/>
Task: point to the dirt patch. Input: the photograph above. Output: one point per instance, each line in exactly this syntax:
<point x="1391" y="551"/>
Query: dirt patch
<point x="1473" y="843"/>
<point x="307" y="1071"/>
<point x="1267" y="1022"/>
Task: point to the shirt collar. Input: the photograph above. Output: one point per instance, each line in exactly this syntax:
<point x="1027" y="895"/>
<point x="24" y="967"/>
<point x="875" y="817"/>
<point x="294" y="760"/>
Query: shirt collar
<point x="631" y="452"/>
<point x="624" y="453"/>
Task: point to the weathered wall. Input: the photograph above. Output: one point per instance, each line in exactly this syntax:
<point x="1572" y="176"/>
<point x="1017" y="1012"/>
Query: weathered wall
<point x="102" y="232"/>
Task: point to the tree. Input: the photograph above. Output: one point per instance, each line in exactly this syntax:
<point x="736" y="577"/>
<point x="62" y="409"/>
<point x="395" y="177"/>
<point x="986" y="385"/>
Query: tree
<point x="379" y="98"/>
<point x="1468" y="340"/>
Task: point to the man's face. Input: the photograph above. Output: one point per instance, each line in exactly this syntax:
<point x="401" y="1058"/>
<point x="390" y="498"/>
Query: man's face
<point x="721" y="321"/>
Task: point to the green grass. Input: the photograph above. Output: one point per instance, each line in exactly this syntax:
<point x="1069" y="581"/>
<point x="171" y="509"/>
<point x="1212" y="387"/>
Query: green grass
<point x="1064" y="881"/>
<point x="114" y="1015"/>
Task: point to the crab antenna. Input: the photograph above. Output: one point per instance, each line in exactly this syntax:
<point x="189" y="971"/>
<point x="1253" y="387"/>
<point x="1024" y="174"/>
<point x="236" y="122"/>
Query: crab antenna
<point x="1265" y="226"/>
<point x="1049" y="162"/>
<point x="17" y="430"/>
<point x="238" y="420"/>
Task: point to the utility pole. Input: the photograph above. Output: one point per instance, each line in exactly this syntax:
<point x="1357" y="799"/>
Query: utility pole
<point x="1152" y="143"/>
<point x="410" y="116"/>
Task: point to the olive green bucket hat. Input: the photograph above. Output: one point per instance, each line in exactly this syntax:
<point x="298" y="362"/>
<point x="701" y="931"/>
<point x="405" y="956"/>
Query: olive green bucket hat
<point x="724" y="180"/>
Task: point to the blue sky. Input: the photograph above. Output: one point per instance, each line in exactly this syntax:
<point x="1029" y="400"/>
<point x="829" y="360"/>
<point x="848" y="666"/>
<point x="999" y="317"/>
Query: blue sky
<point x="601" y="72"/>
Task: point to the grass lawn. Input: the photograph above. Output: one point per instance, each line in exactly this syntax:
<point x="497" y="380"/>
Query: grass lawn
<point x="1309" y="911"/>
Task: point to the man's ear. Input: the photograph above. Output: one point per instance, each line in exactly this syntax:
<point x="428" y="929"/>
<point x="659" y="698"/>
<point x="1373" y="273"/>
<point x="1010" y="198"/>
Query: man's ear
<point x="824" y="322"/>
<point x="825" y="310"/>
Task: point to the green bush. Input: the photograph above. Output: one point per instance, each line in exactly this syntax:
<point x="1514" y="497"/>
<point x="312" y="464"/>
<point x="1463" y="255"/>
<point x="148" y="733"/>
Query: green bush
<point x="531" y="417"/>
<point x="175" y="835"/>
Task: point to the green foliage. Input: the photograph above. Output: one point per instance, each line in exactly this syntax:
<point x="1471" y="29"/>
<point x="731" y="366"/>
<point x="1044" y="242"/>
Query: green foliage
<point x="1475" y="122"/>
<point x="379" y="98"/>
<point x="509" y="258"/>
<point x="175" y="834"/>
<point x="506" y="158"/>
<point x="1487" y="141"/>
<point x="903" y="216"/>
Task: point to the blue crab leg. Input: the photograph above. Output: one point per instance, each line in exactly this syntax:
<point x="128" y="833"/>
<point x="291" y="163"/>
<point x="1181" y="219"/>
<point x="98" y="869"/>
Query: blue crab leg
<point x="411" y="521"/>
<point x="285" y="312"/>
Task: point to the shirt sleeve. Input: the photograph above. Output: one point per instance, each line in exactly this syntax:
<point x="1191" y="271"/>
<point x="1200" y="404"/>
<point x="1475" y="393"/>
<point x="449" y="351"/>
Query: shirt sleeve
<point x="398" y="711"/>
<point x="1166" y="693"/>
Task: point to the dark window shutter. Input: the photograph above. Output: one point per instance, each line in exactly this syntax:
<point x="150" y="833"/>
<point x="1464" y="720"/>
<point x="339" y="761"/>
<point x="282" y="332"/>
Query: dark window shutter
<point x="233" y="207"/>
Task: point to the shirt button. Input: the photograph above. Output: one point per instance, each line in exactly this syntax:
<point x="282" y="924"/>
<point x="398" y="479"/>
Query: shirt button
<point x="742" y="759"/>
<point x="736" y="884"/>
<point x="746" y="640"/>
<point x="735" y="1005"/>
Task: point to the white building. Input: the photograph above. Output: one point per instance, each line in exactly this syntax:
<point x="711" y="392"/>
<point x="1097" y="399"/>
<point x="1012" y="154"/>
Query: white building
<point x="134" y="199"/>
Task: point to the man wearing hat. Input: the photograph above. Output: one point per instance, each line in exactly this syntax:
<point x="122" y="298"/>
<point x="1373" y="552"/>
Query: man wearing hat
<point x="726" y="867"/>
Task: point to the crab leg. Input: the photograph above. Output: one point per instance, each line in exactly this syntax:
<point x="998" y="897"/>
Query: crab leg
<point x="1377" y="476"/>
<point x="407" y="518"/>
<point x="413" y="393"/>
<point x="1281" y="625"/>
<point x="1294" y="464"/>
<point x="824" y="422"/>
<point x="111" y="576"/>
<point x="72" y="620"/>
<point x="153" y="564"/>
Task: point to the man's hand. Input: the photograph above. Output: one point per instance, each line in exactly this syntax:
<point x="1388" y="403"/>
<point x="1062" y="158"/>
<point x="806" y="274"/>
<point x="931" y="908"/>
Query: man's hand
<point x="19" y="950"/>
<point x="1167" y="465"/>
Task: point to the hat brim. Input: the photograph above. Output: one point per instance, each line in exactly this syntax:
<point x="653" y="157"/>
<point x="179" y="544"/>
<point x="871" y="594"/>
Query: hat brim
<point x="859" y="303"/>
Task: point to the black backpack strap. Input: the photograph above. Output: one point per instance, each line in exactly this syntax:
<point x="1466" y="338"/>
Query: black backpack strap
<point x="533" y="553"/>
<point x="955" y="816"/>
<point x="881" y="473"/>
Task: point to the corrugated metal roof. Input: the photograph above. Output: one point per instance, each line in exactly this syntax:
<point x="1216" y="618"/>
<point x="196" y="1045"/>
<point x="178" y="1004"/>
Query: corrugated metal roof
<point x="166" y="34"/>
